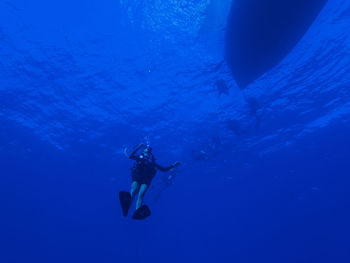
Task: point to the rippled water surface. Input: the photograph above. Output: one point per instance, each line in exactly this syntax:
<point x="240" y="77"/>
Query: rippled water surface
<point x="262" y="167"/>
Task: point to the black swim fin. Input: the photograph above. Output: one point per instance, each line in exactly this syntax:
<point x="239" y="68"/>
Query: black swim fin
<point x="125" y="201"/>
<point x="142" y="213"/>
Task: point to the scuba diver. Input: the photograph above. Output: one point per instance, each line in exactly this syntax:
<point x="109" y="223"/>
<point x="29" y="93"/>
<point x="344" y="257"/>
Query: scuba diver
<point x="142" y="174"/>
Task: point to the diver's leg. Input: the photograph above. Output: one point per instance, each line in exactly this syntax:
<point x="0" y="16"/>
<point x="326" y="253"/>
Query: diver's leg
<point x="134" y="188"/>
<point x="143" y="189"/>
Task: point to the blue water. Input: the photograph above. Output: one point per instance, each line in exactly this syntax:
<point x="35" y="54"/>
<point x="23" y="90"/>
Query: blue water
<point x="264" y="173"/>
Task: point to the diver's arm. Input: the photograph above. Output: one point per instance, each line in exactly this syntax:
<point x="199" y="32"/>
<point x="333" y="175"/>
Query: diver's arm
<point x="165" y="169"/>
<point x="132" y="155"/>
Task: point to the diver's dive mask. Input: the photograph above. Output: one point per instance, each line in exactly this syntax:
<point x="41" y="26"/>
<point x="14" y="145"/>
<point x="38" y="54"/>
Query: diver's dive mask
<point x="147" y="152"/>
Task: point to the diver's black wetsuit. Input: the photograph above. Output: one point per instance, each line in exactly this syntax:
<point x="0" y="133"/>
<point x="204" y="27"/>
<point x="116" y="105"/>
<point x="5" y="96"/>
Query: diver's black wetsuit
<point x="145" y="168"/>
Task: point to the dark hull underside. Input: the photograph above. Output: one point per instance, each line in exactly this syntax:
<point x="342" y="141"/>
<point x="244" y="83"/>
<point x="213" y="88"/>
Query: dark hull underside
<point x="261" y="33"/>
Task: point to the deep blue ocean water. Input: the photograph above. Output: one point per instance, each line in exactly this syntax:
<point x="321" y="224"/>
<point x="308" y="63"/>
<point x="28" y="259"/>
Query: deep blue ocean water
<point x="264" y="173"/>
